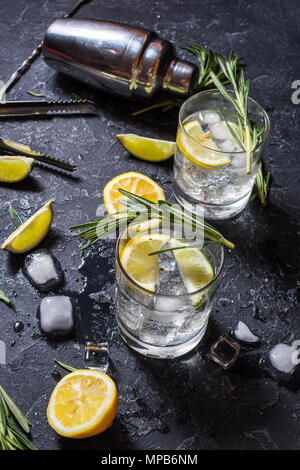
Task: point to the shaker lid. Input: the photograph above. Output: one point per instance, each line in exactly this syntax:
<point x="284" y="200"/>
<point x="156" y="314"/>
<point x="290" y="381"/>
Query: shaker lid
<point x="180" y="77"/>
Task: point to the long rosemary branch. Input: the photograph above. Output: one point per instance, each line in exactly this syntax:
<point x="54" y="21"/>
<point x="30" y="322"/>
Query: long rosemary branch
<point x="139" y="210"/>
<point x="11" y="420"/>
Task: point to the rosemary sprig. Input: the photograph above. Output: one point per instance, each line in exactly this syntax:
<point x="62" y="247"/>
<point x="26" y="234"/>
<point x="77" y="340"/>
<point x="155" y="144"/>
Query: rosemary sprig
<point x="162" y="103"/>
<point x="140" y="209"/>
<point x="33" y="93"/>
<point x="76" y="96"/>
<point x="65" y="366"/>
<point x="248" y="133"/>
<point x="175" y="248"/>
<point x="11" y="420"/>
<point x="261" y="187"/>
<point x="208" y="61"/>
<point x="13" y="215"/>
<point x="6" y="300"/>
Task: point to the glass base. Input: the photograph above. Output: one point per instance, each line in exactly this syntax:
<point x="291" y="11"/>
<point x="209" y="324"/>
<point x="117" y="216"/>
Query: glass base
<point x="211" y="211"/>
<point x="159" y="352"/>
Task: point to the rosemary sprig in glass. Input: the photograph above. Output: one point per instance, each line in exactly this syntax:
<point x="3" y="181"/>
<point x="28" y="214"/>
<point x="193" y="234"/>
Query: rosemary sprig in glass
<point x="140" y="209"/>
<point x="248" y="133"/>
<point x="12" y="424"/>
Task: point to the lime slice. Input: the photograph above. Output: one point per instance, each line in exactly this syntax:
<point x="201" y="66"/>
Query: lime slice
<point x="143" y="269"/>
<point x="31" y="232"/>
<point x="199" y="148"/>
<point x="151" y="150"/>
<point x="14" y="168"/>
<point x="195" y="269"/>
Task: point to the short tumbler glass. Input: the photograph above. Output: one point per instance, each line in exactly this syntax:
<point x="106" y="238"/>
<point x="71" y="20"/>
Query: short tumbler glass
<point x="224" y="191"/>
<point x="164" y="326"/>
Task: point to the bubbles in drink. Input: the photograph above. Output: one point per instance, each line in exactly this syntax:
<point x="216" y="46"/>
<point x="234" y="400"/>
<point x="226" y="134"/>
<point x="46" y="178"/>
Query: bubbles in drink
<point x="224" y="184"/>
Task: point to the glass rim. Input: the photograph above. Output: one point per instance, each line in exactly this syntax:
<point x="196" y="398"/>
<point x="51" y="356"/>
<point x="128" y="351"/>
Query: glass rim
<point x="170" y="296"/>
<point x="217" y="92"/>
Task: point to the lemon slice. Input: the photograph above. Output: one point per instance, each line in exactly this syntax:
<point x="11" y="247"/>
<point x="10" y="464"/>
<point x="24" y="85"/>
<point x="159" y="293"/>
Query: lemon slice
<point x="141" y="268"/>
<point x="150" y="150"/>
<point x="195" y="269"/>
<point x="14" y="169"/>
<point x="83" y="403"/>
<point x="31" y="232"/>
<point x="135" y="183"/>
<point x="198" y="147"/>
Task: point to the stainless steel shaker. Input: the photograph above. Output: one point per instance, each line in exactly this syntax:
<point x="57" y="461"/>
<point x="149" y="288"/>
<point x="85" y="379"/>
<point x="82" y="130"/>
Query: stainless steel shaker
<point x="119" y="58"/>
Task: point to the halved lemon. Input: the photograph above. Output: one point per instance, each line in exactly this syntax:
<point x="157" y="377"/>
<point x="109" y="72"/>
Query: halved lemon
<point x="141" y="268"/>
<point x="134" y="182"/>
<point x="14" y="168"/>
<point x="145" y="148"/>
<point x="31" y="232"/>
<point x="83" y="403"/>
<point x="199" y="148"/>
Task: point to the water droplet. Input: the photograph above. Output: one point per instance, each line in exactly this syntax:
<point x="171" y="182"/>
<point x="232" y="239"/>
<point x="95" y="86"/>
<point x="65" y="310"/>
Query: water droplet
<point x="18" y="326"/>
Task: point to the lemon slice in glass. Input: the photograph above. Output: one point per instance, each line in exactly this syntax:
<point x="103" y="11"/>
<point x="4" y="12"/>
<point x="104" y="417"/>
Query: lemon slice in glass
<point x="140" y="267"/>
<point x="83" y="404"/>
<point x="199" y="148"/>
<point x="31" y="232"/>
<point x="14" y="169"/>
<point x="151" y="150"/>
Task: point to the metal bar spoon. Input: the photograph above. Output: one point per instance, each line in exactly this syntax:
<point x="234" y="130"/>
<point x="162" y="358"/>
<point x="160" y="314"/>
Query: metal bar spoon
<point x="27" y="63"/>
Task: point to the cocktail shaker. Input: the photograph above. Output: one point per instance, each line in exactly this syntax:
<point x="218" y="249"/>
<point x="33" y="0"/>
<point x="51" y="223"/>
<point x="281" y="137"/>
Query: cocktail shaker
<point x="118" y="58"/>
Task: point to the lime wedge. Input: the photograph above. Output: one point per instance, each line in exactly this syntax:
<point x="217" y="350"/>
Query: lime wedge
<point x="31" y="232"/>
<point x="151" y="150"/>
<point x="199" y="148"/>
<point x="15" y="168"/>
<point x="195" y="269"/>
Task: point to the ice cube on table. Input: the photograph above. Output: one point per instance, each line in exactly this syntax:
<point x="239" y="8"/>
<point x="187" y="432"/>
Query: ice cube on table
<point x="43" y="270"/>
<point x="56" y="315"/>
<point x="225" y="351"/>
<point x="96" y="356"/>
<point x="209" y="117"/>
<point x="243" y="333"/>
<point x="284" y="357"/>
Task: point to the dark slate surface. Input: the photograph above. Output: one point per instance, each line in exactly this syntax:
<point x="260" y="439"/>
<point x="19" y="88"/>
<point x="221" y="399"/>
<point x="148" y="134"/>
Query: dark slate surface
<point x="192" y="403"/>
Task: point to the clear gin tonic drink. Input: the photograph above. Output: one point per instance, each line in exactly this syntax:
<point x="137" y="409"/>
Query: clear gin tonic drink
<point x="209" y="166"/>
<point x="163" y="301"/>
